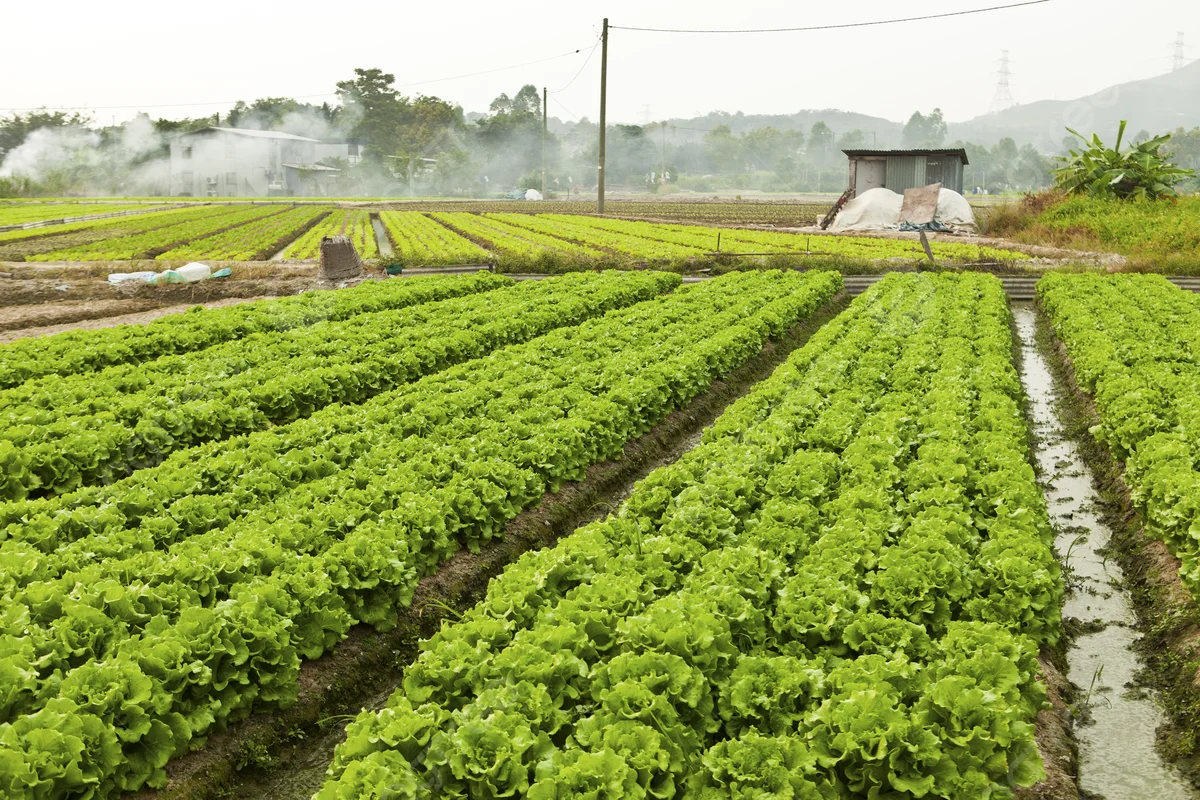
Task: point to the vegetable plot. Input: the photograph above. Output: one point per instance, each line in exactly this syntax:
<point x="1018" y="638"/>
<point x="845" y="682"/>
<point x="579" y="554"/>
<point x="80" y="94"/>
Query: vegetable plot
<point x="80" y="431"/>
<point x="197" y="592"/>
<point x="75" y="352"/>
<point x="257" y="241"/>
<point x="419" y="240"/>
<point x="839" y="593"/>
<point x="354" y="223"/>
<point x="20" y="244"/>
<point x="36" y="212"/>
<point x="522" y="248"/>
<point x="1133" y="342"/>
<point x="149" y="244"/>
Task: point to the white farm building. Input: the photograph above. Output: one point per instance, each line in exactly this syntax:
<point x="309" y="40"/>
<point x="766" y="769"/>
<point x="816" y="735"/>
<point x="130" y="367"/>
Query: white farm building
<point x="237" y="162"/>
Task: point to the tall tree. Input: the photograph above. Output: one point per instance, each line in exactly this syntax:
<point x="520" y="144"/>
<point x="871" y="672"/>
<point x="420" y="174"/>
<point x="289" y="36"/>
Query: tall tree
<point x="925" y="130"/>
<point x="376" y="110"/>
<point x="724" y="150"/>
<point x="822" y="149"/>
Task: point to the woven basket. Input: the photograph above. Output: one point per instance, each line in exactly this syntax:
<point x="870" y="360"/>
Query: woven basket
<point x="339" y="259"/>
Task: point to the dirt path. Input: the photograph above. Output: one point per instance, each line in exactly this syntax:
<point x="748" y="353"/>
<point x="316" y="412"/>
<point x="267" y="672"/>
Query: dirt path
<point x="93" y="316"/>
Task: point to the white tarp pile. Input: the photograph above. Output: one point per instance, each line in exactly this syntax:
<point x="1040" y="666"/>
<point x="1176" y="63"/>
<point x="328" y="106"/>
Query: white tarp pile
<point x="188" y="273"/>
<point x="879" y="210"/>
<point x="533" y="194"/>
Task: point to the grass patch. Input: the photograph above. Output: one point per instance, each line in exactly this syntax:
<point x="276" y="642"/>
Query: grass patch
<point x="1157" y="236"/>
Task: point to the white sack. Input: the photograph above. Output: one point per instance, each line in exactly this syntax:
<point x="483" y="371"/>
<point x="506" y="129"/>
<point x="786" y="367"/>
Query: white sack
<point x="875" y="210"/>
<point x="194" y="272"/>
<point x="955" y="212"/>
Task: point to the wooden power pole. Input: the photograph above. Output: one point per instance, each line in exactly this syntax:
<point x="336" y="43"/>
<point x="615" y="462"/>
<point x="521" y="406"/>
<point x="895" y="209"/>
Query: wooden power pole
<point x="603" y="115"/>
<point x="545" y="98"/>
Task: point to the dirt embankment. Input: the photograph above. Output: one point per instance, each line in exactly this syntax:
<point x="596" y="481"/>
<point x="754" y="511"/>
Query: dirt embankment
<point x="250" y="757"/>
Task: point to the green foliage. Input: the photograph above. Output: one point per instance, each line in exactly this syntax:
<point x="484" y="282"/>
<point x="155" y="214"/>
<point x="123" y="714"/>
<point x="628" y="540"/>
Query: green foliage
<point x="1131" y="341"/>
<point x="198" y="586"/>
<point x="1140" y="173"/>
<point x="748" y="624"/>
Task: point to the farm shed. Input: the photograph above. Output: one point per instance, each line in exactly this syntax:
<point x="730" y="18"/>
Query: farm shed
<point x="905" y="169"/>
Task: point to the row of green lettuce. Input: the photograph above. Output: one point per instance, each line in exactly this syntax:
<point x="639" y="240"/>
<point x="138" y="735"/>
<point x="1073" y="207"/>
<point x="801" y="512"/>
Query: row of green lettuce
<point x="139" y="617"/>
<point x="75" y="352"/>
<point x="840" y="593"/>
<point x="66" y="432"/>
<point x="1134" y="344"/>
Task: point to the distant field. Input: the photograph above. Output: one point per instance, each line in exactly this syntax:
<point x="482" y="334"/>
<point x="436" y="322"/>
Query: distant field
<point x="486" y="234"/>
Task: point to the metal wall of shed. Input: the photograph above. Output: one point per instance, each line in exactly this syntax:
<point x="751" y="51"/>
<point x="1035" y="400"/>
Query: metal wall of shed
<point x="946" y="171"/>
<point x="905" y="172"/>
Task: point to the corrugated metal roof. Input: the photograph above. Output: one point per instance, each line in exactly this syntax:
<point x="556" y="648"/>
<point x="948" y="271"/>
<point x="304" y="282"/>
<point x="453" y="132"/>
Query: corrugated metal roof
<point x="253" y="134"/>
<point x="312" y="167"/>
<point x="959" y="152"/>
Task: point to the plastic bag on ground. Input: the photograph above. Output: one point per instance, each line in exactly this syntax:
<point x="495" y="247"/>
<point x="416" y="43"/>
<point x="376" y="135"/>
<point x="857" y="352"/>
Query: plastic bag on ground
<point x="194" y="272"/>
<point x="127" y="277"/>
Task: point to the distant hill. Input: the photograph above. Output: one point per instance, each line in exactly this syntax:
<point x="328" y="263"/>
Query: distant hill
<point x="884" y="132"/>
<point x="1157" y="105"/>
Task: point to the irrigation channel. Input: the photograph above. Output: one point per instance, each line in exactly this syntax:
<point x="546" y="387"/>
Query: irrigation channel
<point x="1116" y="722"/>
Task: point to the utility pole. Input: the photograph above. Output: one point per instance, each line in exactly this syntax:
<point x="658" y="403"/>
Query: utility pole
<point x="603" y="115"/>
<point x="545" y="98"/>
<point x="662" y="175"/>
<point x="1179" y="60"/>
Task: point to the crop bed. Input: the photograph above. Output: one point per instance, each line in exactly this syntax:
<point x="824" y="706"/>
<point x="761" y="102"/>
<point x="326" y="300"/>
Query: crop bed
<point x="21" y="214"/>
<point x="841" y="592"/>
<point x="186" y="227"/>
<point x="23" y="245"/>
<point x="416" y="239"/>
<point x="143" y="614"/>
<point x="1133" y="343"/>
<point x="256" y="241"/>
<point x="352" y="223"/>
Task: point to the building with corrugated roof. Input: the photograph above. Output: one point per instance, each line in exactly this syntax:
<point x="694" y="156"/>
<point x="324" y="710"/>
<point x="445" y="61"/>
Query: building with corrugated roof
<point x="238" y="162"/>
<point x="905" y="169"/>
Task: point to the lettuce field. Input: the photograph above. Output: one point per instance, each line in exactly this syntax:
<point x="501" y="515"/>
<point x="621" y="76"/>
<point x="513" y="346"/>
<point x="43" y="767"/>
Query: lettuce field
<point x="514" y="242"/>
<point x="833" y="575"/>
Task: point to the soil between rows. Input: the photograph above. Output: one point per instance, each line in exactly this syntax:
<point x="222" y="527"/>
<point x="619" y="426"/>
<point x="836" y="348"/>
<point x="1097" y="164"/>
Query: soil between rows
<point x="282" y="754"/>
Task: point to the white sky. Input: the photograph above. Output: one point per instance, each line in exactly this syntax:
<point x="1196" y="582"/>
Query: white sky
<point x="148" y="53"/>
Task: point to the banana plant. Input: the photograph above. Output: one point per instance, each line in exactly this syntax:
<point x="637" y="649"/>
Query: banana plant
<point x="1141" y="173"/>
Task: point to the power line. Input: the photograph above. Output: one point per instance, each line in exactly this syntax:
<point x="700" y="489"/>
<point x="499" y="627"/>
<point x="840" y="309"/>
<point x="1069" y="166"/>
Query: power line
<point x="586" y="61"/>
<point x="306" y="96"/>
<point x="842" y="25"/>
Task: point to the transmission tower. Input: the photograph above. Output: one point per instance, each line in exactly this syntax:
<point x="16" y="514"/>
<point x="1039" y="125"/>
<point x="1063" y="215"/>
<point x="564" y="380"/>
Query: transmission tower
<point x="1179" y="55"/>
<point x="1003" y="98"/>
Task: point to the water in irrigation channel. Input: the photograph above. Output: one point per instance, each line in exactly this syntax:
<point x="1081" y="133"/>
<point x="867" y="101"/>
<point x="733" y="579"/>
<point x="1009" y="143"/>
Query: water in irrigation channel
<point x="1117" y="759"/>
<point x="381" y="238"/>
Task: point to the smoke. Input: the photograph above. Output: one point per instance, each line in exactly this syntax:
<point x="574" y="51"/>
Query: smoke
<point x="128" y="160"/>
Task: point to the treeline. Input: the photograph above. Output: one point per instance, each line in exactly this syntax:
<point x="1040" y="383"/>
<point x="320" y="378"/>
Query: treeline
<point x="425" y="145"/>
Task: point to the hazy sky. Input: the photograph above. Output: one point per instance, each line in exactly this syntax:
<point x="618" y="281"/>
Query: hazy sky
<point x="201" y="57"/>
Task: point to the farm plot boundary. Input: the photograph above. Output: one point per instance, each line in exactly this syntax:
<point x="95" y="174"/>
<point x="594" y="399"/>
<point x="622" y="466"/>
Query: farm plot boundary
<point x="1167" y="615"/>
<point x="266" y="747"/>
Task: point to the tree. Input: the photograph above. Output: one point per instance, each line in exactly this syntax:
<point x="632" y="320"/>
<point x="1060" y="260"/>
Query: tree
<point x="16" y="129"/>
<point x="723" y="150"/>
<point x="925" y="131"/>
<point x="376" y="108"/>
<point x="854" y="140"/>
<point x="822" y="145"/>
